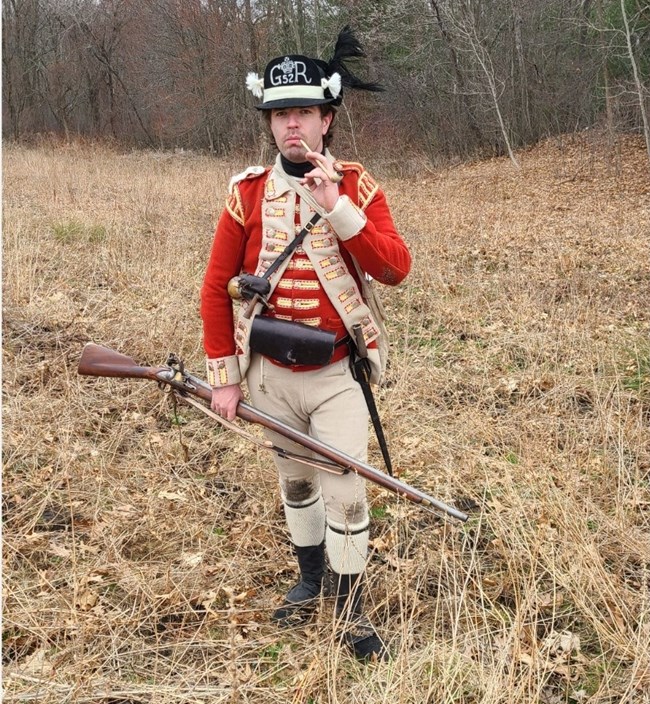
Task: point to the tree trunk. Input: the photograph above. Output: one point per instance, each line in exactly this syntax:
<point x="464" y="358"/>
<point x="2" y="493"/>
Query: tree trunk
<point x="460" y="78"/>
<point x="637" y="79"/>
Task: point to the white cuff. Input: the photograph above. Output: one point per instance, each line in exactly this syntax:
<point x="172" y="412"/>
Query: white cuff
<point x="346" y="219"/>
<point x="223" y="371"/>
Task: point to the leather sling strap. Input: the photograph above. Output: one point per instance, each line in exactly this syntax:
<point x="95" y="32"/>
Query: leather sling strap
<point x="290" y="248"/>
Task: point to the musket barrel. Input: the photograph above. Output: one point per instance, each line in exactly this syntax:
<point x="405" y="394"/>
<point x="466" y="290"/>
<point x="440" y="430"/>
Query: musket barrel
<point x="254" y="415"/>
<point x="103" y="361"/>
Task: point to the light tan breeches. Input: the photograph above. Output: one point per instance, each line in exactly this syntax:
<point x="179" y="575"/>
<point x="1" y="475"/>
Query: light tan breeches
<point x="328" y="404"/>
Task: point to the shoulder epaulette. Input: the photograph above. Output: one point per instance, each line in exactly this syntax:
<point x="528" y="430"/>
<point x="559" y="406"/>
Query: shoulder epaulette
<point x="348" y="166"/>
<point x="234" y="203"/>
<point x="250" y="172"/>
<point x="366" y="185"/>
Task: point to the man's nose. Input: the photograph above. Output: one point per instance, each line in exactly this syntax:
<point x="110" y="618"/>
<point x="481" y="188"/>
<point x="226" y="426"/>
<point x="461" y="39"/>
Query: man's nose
<point x="292" y="119"/>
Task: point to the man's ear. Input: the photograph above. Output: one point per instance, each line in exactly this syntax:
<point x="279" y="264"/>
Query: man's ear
<point x="327" y="121"/>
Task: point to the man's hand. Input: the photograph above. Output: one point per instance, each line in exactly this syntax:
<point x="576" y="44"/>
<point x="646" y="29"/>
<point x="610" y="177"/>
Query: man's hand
<point x="325" y="190"/>
<point x="225" y="400"/>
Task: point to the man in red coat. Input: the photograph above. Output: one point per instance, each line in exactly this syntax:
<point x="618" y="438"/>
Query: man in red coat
<point x="319" y="285"/>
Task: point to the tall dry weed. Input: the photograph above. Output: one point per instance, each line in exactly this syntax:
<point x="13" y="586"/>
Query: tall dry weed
<point x="144" y="549"/>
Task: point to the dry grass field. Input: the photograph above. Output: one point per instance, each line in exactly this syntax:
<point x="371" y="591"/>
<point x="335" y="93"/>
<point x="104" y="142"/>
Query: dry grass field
<point x="144" y="548"/>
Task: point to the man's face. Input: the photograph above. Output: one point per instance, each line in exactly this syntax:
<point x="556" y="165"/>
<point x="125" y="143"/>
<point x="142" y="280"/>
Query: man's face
<point x="290" y="125"/>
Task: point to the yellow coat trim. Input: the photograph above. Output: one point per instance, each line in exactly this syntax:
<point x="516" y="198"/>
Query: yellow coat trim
<point x="367" y="185"/>
<point x="235" y="206"/>
<point x="234" y="203"/>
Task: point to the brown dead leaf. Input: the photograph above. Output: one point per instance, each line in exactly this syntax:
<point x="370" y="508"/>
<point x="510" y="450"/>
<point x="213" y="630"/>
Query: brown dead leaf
<point x="399" y="563"/>
<point x="86" y="600"/>
<point x="59" y="551"/>
<point x="36" y="665"/>
<point x="526" y="658"/>
<point x="192" y="559"/>
<point x="171" y="496"/>
<point x="379" y="544"/>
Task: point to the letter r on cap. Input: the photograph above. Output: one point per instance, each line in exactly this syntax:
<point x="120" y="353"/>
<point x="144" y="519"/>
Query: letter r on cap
<point x="302" y="72"/>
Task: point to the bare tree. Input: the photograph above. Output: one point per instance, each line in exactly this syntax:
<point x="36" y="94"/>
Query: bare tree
<point x="458" y="72"/>
<point x="104" y="31"/>
<point x="463" y="77"/>
<point x="640" y="90"/>
<point x="519" y="73"/>
<point x="24" y="49"/>
<point x="463" y="16"/>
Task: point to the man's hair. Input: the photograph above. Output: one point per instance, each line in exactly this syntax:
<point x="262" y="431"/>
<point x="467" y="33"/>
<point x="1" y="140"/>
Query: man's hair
<point x="325" y="109"/>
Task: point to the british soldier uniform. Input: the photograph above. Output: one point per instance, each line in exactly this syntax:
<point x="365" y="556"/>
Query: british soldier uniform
<point x="319" y="285"/>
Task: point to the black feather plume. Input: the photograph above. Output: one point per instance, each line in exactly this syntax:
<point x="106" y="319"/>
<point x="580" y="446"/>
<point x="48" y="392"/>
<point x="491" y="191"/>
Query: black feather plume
<point x="348" y="47"/>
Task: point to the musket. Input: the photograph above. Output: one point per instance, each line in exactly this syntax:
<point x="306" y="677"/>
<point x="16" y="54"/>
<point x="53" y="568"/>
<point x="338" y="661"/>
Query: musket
<point x="104" y="362"/>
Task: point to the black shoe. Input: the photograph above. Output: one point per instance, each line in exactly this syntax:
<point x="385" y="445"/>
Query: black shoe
<point x="356" y="630"/>
<point x="301" y="602"/>
<point x="363" y="641"/>
<point x="299" y="605"/>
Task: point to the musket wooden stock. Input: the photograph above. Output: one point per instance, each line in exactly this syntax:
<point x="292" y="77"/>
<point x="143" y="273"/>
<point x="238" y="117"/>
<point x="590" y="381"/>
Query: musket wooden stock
<point x="103" y="361"/>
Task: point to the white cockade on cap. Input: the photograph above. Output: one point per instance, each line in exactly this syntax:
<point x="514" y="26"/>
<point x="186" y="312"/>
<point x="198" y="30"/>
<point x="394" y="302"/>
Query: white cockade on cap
<point x="255" y="84"/>
<point x="333" y="83"/>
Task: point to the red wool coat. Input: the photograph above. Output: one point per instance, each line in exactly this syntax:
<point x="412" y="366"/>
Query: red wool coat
<point x="377" y="247"/>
